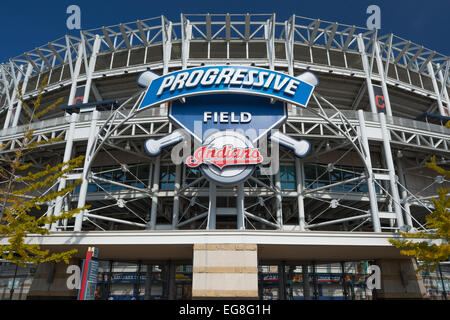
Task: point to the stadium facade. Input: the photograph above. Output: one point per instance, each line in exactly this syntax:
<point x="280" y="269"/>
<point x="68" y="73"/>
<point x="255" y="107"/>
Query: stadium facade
<point x="294" y="227"/>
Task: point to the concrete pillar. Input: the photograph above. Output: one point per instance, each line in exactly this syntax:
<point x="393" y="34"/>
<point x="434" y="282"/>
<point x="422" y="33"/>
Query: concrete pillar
<point x="399" y="280"/>
<point x="225" y="271"/>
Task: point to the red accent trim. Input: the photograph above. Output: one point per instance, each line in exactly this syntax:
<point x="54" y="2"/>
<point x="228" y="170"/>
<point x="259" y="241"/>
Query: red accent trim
<point x="84" y="277"/>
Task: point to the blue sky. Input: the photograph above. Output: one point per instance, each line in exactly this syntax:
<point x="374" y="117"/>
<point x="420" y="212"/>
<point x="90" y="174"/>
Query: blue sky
<point x="26" y="25"/>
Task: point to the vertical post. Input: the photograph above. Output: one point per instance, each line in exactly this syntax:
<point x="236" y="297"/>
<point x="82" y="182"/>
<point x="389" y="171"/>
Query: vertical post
<point x="211" y="225"/>
<point x="436" y="89"/>
<point x="155" y="189"/>
<point x="444" y="87"/>
<point x="90" y="71"/>
<point x="9" y="99"/>
<point x="444" y="292"/>
<point x="383" y="79"/>
<point x="344" y="283"/>
<point x="66" y="157"/>
<point x="138" y="280"/>
<point x="270" y="37"/>
<point x="86" y="169"/>
<point x="305" y="277"/>
<point x="70" y="133"/>
<point x="167" y="43"/>
<point x="240" y="207"/>
<point x="109" y="281"/>
<point x="176" y="196"/>
<point x="314" y="279"/>
<point x="404" y="194"/>
<point x="148" y="282"/>
<point x="282" y="281"/>
<point x="390" y="165"/>
<point x="370" y="180"/>
<point x="289" y="38"/>
<point x="300" y="173"/>
<point x="171" y="278"/>
<point x="24" y="88"/>
<point x="278" y="200"/>
<point x="366" y="66"/>
<point x="186" y="34"/>
<point x="75" y="73"/>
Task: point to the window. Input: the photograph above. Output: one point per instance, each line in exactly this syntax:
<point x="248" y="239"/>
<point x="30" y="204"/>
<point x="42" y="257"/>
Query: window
<point x="191" y="174"/>
<point x="288" y="177"/>
<point x="266" y="179"/>
<point x="167" y="178"/>
<point x="317" y="175"/>
<point x="134" y="175"/>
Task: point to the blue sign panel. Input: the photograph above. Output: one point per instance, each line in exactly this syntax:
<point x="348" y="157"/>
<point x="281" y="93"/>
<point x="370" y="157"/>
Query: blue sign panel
<point x="203" y="115"/>
<point x="227" y="79"/>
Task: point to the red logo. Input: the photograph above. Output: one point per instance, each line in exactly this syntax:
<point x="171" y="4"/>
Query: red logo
<point x="224" y="156"/>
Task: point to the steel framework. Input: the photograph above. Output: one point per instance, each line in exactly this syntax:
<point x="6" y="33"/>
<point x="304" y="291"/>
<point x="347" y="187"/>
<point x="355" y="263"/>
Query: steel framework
<point x="341" y="122"/>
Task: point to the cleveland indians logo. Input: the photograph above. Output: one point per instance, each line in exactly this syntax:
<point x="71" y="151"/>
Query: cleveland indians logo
<point x="227" y="109"/>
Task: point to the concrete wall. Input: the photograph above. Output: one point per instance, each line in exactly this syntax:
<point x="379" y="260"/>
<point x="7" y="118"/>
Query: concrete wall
<point x="225" y="271"/>
<point x="399" y="280"/>
<point x="50" y="282"/>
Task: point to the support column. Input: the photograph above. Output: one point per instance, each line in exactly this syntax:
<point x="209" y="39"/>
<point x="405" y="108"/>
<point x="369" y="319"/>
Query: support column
<point x="444" y="88"/>
<point x="155" y="189"/>
<point x="278" y="200"/>
<point x="370" y="180"/>
<point x="240" y="207"/>
<point x="66" y="157"/>
<point x="404" y="194"/>
<point x="300" y="173"/>
<point x="211" y="224"/>
<point x="24" y="88"/>
<point x="90" y="71"/>
<point x="176" y="197"/>
<point x="282" y="281"/>
<point x="436" y="89"/>
<point x="368" y="71"/>
<point x="390" y="165"/>
<point x="148" y="282"/>
<point x="86" y="170"/>
<point x="9" y="99"/>
<point x="75" y="72"/>
<point x="69" y="137"/>
<point x="171" y="278"/>
<point x="305" y="277"/>
<point x="380" y="66"/>
<point x="225" y="271"/>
